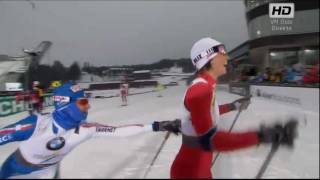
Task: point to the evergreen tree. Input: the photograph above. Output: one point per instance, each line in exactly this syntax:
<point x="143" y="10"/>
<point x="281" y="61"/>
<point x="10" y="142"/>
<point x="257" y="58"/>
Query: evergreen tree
<point x="73" y="72"/>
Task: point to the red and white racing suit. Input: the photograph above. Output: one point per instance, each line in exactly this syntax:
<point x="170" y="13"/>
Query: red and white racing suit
<point x="200" y="116"/>
<point x="124" y="90"/>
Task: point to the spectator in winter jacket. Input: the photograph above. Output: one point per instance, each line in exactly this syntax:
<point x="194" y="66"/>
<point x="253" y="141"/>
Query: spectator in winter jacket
<point x="312" y="76"/>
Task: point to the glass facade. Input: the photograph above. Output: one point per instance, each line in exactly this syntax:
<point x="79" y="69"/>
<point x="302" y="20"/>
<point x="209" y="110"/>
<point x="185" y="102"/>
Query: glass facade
<point x="280" y="59"/>
<point x="310" y="56"/>
<point x="304" y="56"/>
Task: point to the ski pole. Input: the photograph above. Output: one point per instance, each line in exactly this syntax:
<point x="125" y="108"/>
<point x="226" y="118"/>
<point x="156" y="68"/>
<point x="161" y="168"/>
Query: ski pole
<point x="157" y="154"/>
<point x="233" y="123"/>
<point x="265" y="164"/>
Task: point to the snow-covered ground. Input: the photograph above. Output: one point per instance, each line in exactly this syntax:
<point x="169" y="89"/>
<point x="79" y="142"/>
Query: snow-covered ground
<point x="130" y="157"/>
<point x="116" y="92"/>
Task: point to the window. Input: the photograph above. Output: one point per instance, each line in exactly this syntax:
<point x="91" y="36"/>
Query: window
<point x="309" y="56"/>
<point x="280" y="59"/>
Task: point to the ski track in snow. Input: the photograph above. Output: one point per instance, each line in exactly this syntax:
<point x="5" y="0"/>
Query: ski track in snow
<point x="130" y="157"/>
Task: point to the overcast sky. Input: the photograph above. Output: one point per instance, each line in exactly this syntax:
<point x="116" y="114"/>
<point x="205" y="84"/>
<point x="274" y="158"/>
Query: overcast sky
<point x="118" y="33"/>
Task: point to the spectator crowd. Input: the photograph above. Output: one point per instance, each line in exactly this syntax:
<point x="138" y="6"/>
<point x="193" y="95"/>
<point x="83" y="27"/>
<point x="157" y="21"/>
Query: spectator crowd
<point x="295" y="74"/>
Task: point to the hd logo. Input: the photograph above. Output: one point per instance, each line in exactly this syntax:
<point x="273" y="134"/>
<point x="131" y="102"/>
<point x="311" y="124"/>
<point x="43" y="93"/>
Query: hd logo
<point x="281" y="10"/>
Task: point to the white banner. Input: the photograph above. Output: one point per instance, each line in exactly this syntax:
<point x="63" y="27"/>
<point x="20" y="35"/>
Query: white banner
<point x="306" y="98"/>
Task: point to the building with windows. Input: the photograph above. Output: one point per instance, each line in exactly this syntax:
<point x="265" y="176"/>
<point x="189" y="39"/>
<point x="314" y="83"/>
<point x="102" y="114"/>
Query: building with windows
<point x="142" y="74"/>
<point x="279" y="42"/>
<point x="11" y="68"/>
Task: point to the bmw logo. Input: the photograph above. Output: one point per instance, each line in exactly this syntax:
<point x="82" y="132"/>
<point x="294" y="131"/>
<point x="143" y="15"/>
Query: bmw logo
<point x="56" y="143"/>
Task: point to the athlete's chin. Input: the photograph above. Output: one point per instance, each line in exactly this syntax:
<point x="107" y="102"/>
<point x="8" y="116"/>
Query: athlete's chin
<point x="223" y="72"/>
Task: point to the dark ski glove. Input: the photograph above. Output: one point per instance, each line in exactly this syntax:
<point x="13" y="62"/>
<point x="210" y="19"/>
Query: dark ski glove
<point x="283" y="134"/>
<point x="171" y="126"/>
<point x="240" y="104"/>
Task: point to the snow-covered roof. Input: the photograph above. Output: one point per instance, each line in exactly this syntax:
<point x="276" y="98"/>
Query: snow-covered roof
<point x="144" y="80"/>
<point x="142" y="71"/>
<point x="120" y="68"/>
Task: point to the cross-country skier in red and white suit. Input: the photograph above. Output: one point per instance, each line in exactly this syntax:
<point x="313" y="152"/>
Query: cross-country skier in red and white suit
<point x="202" y="137"/>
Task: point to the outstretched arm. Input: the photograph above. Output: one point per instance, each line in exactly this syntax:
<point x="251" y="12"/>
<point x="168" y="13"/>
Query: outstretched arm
<point x="239" y="104"/>
<point x="100" y="130"/>
<point x="225" y="108"/>
<point x="19" y="131"/>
